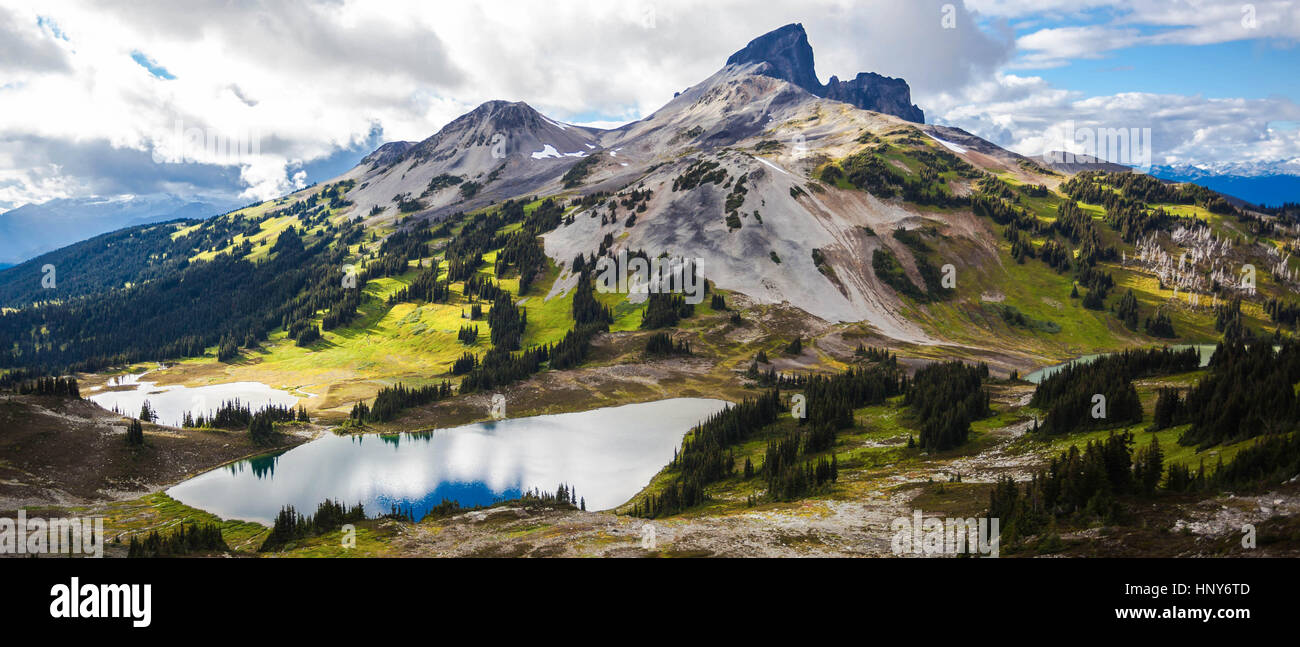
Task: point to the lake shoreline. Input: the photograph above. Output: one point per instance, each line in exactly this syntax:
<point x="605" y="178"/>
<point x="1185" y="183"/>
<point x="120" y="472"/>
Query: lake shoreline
<point x="606" y="455"/>
<point x="74" y="453"/>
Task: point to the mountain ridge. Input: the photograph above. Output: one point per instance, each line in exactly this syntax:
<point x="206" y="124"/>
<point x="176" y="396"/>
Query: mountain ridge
<point x="790" y="57"/>
<point x="31" y="230"/>
<point x="1270" y="185"/>
<point x="793" y="201"/>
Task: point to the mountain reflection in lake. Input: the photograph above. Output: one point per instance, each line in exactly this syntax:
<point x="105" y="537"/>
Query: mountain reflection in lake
<point x="606" y="455"/>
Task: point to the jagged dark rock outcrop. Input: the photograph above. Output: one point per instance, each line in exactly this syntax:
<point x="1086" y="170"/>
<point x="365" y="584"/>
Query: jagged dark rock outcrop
<point x="875" y="92"/>
<point x="789" y="57"/>
<point x="788" y="53"/>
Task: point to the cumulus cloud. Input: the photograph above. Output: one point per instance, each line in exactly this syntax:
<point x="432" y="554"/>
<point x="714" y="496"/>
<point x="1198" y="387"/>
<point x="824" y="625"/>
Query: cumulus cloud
<point x="28" y="47"/>
<point x="35" y="169"/>
<point x="1111" y="25"/>
<point x="309" y="80"/>
<point x="1029" y="116"/>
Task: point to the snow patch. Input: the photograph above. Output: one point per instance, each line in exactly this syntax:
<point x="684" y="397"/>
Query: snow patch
<point x="772" y="165"/>
<point x="548" y="151"/>
<point x="951" y="146"/>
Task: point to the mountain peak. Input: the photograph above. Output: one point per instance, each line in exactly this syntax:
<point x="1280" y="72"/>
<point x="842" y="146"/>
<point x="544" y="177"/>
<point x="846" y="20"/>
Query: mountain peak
<point x="388" y="153"/>
<point x="504" y="114"/>
<point x="786" y="55"/>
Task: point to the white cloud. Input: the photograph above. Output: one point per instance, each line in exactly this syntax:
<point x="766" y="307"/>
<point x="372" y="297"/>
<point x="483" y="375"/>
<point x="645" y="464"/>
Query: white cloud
<point x="1029" y="116"/>
<point x="314" y="77"/>
<point x="28" y="48"/>
<point x="1055" y="46"/>
<point x="1024" y="8"/>
<point x="1131" y="23"/>
<point x="22" y="185"/>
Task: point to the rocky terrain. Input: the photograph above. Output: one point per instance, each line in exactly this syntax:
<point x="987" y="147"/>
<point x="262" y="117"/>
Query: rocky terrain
<point x="72" y="452"/>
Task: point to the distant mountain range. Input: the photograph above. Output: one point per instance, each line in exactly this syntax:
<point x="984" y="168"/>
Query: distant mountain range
<point x="32" y="230"/>
<point x="1268" y="185"/>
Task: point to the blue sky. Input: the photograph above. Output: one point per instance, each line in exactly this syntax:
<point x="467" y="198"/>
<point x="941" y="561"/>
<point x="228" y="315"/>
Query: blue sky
<point x="320" y="83"/>
<point x="1247" y="67"/>
<point x="152" y="66"/>
<point x="1242" y="69"/>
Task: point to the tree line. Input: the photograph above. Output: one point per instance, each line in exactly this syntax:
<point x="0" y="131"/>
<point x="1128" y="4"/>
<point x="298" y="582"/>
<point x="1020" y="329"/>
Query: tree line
<point x="234" y="414"/>
<point x="1249" y="391"/>
<point x="661" y="344"/>
<point x="1070" y="396"/>
<point x="291" y="526"/>
<point x="62" y="387"/>
<point x="944" y="399"/>
<point x="1078" y="485"/>
<point x="706" y="454"/>
<point x="181" y="313"/>
<point x="391" y="400"/>
<point x="792" y="468"/>
<point x="186" y="539"/>
<point x="1088" y="485"/>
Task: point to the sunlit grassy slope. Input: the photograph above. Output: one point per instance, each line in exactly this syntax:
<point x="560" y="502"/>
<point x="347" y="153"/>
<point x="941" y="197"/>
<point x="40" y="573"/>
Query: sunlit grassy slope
<point x="1024" y="308"/>
<point x="411" y="343"/>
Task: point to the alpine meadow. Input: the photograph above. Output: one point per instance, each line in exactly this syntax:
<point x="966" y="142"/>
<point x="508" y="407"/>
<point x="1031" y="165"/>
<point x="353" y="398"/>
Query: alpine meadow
<point x="604" y="280"/>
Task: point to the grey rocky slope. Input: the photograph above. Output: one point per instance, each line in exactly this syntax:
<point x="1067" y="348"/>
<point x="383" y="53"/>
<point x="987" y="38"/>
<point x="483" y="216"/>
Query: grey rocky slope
<point x="791" y="239"/>
<point x="498" y="149"/>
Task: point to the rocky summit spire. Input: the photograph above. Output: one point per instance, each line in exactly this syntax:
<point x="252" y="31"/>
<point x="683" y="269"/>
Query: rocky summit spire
<point x="788" y="53"/>
<point x="788" y="56"/>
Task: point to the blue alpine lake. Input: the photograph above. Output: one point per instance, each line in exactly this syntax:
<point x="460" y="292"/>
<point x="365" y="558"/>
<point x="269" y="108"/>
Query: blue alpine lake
<point x="607" y="455"/>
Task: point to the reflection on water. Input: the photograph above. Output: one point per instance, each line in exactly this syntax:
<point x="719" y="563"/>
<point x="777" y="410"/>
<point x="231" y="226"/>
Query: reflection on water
<point x="259" y="466"/>
<point x="607" y="455"/>
<point x="171" y="403"/>
<point x="1206" y="350"/>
